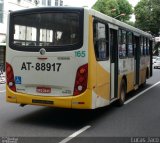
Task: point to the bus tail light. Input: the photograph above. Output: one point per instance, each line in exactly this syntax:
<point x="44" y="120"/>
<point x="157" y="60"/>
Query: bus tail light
<point x="81" y="80"/>
<point x="10" y="77"/>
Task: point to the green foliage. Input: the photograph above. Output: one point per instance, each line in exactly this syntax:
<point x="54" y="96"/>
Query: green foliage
<point x="148" y="16"/>
<point x="126" y="8"/>
<point x="114" y="8"/>
<point x="100" y="6"/>
<point x="111" y="8"/>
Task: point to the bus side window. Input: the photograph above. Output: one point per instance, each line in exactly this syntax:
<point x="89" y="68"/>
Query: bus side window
<point x="147" y="46"/>
<point x="100" y="41"/>
<point x="134" y="44"/>
<point x="141" y="45"/>
<point x="130" y="44"/>
<point x="122" y="44"/>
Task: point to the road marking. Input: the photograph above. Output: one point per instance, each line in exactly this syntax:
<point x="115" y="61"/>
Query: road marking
<point x="139" y="94"/>
<point x="2" y="91"/>
<point x="75" y="134"/>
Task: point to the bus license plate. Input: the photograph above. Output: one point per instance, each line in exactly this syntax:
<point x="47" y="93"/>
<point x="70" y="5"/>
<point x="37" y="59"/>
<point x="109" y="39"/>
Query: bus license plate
<point x="43" y="89"/>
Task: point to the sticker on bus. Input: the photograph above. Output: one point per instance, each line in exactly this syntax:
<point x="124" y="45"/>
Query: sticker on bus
<point x="18" y="80"/>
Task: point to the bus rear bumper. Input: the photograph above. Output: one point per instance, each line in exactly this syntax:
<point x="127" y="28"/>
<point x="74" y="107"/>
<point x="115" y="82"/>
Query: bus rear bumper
<point x="82" y="101"/>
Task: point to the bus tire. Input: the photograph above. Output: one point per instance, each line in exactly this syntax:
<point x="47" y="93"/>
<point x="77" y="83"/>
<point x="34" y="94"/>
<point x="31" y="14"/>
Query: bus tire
<point x="122" y="97"/>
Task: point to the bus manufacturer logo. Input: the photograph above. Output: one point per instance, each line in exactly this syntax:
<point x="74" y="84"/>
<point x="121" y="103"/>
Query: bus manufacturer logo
<point x="42" y="51"/>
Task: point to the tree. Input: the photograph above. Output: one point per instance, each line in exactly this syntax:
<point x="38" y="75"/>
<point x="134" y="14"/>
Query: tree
<point x="120" y="6"/>
<point x="148" y="16"/>
<point x="111" y="8"/>
<point x="125" y="7"/>
<point x="100" y="6"/>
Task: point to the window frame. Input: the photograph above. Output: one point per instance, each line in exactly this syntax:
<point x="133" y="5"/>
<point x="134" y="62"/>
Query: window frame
<point x="122" y="42"/>
<point x="56" y="3"/>
<point x="106" y="39"/>
<point x="129" y="33"/>
<point x="49" y="3"/>
<point x="147" y="46"/>
<point x="142" y="45"/>
<point x="56" y="48"/>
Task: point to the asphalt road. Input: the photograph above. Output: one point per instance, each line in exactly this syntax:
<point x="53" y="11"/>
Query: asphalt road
<point x="138" y="118"/>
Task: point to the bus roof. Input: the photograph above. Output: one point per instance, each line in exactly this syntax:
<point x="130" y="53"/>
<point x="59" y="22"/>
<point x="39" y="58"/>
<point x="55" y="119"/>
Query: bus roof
<point x="118" y="23"/>
<point x="95" y="13"/>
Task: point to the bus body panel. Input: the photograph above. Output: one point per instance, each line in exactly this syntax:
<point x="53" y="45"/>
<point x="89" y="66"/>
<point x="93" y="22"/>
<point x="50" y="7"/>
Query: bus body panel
<point x="27" y="70"/>
<point x="98" y="76"/>
<point x="144" y="66"/>
<point x="82" y="101"/>
<point x="61" y="82"/>
<point x="126" y="68"/>
<point x="54" y="71"/>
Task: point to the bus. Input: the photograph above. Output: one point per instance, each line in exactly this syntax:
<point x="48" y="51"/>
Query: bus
<point x="73" y="58"/>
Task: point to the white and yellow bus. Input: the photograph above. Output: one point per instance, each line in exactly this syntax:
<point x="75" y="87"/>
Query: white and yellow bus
<point x="73" y="58"/>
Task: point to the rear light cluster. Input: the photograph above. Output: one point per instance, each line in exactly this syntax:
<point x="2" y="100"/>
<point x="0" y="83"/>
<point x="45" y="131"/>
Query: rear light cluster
<point x="81" y="80"/>
<point x="10" y="77"/>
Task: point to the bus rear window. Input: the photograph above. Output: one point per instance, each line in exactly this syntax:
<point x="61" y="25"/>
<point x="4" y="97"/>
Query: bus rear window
<point x="53" y="30"/>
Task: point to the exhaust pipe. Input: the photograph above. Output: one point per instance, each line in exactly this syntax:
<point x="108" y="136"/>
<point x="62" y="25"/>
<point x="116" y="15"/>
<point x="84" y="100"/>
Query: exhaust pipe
<point x="22" y="105"/>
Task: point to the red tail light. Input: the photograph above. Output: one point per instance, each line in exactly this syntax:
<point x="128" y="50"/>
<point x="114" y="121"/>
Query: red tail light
<point x="10" y="77"/>
<point x="81" y="80"/>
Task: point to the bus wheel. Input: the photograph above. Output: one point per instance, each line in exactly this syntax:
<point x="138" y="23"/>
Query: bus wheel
<point x="121" y="99"/>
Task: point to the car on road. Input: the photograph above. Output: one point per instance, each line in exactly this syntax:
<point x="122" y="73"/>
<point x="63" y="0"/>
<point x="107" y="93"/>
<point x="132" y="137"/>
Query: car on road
<point x="154" y="59"/>
<point x="157" y="63"/>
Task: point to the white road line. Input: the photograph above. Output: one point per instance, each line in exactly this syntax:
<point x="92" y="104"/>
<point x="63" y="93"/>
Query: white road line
<point x="139" y="94"/>
<point x="2" y="91"/>
<point x="75" y="134"/>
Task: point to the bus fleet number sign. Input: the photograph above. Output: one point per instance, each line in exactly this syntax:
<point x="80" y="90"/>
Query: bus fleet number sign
<point x="41" y="66"/>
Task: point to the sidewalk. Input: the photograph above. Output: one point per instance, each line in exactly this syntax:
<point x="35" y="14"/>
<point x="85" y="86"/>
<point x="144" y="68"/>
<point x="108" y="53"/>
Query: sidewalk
<point x="3" y="78"/>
